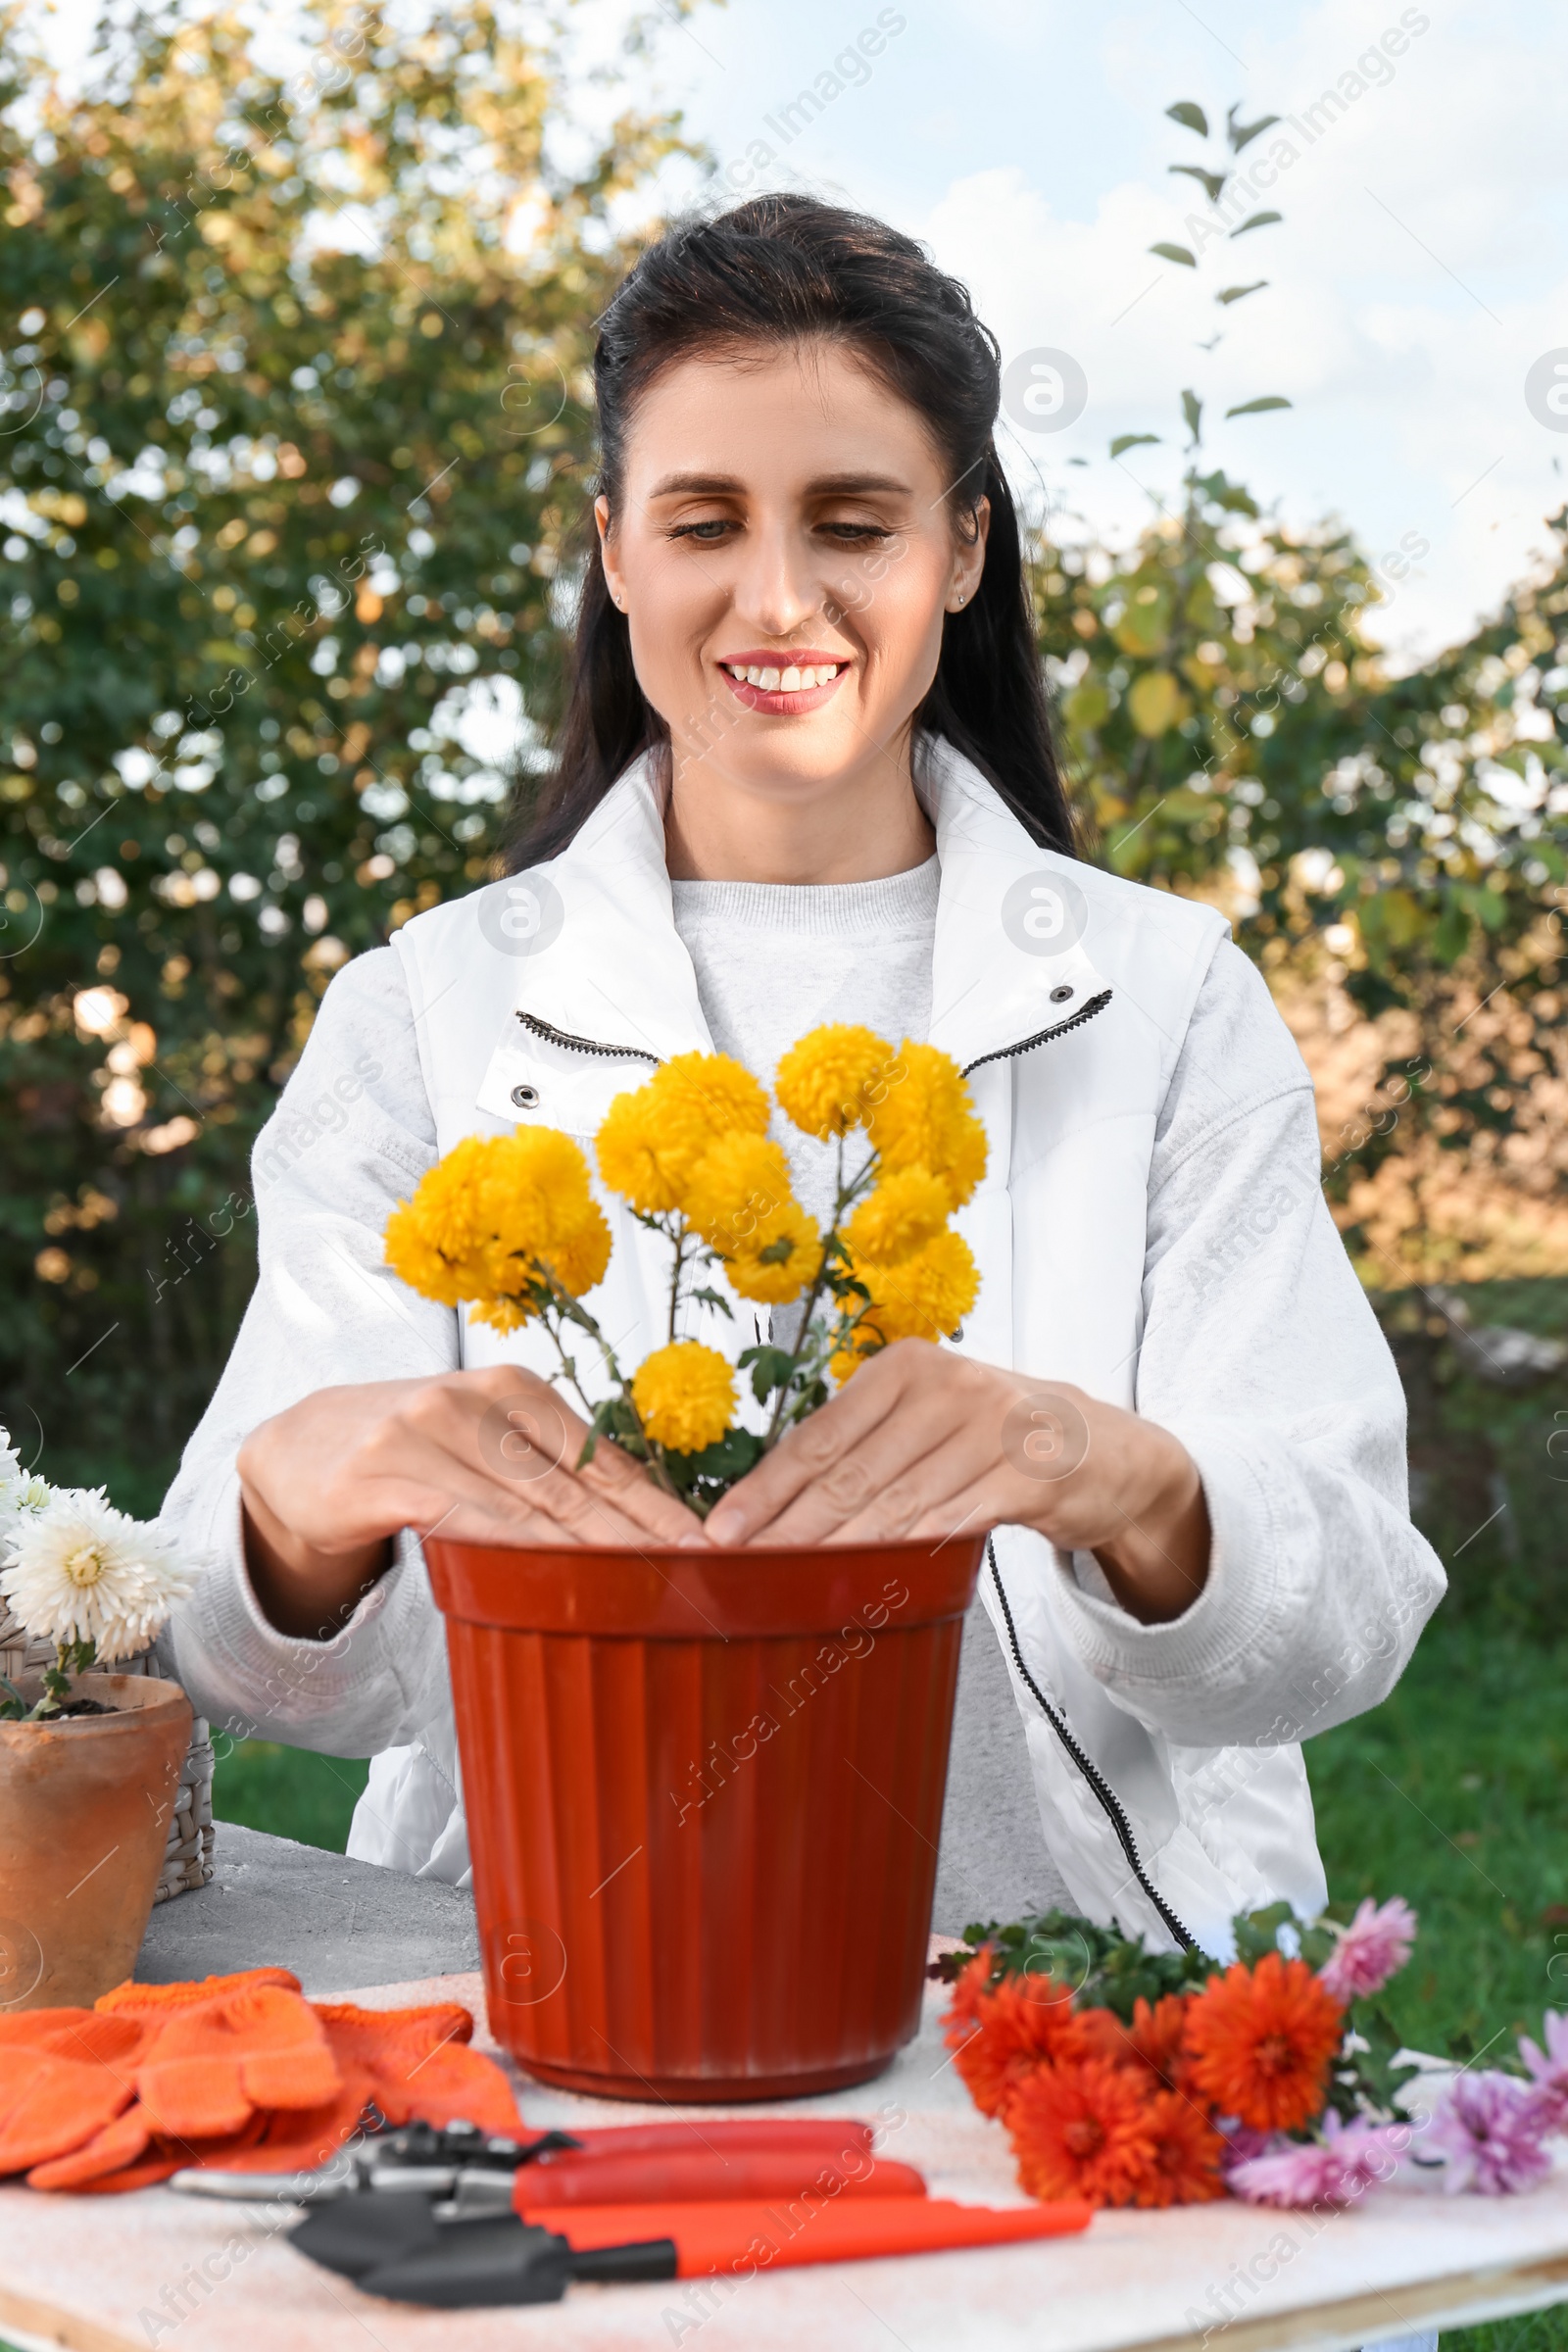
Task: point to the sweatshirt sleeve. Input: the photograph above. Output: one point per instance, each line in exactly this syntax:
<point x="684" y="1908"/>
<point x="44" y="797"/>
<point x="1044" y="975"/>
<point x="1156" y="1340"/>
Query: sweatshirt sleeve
<point x="1261" y="1352"/>
<point x="351" y="1137"/>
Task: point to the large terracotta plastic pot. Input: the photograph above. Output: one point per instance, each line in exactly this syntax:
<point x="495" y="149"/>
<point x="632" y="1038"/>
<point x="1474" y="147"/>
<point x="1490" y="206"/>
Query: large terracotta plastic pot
<point x="85" y="1811"/>
<point x="704" y="1799"/>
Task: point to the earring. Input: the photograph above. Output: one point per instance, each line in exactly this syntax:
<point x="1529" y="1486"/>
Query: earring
<point x="961" y="596"/>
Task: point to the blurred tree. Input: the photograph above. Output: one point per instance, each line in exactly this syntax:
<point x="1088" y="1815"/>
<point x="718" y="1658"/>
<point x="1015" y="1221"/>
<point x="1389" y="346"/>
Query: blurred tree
<point x="1234" y="731"/>
<point x="293" y="447"/>
<point x="293" y="429"/>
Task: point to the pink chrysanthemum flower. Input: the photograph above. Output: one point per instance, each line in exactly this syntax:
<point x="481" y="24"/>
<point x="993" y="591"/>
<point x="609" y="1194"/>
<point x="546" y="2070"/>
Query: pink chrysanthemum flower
<point x="1337" y="2170"/>
<point x="1374" y="1947"/>
<point x="1549" y="2067"/>
<point x="1488" y="2128"/>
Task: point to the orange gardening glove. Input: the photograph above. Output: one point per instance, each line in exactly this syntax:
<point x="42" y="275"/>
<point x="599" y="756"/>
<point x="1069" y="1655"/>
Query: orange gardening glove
<point x="212" y="2063"/>
<point x="50" y="2103"/>
<point x="418" y="2067"/>
<point x="74" y="2033"/>
<point x="160" y="2001"/>
<point x="129" y="2154"/>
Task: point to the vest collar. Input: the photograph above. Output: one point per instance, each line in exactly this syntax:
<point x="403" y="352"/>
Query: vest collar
<point x="610" y="970"/>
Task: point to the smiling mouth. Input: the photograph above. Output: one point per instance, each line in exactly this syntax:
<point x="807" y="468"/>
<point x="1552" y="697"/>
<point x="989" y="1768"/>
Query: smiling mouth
<point x="783" y="685"/>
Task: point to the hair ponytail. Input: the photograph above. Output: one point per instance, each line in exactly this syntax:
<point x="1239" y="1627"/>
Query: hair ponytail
<point x="781" y="269"/>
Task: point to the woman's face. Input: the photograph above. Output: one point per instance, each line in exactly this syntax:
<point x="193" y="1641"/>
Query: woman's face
<point x="785" y="551"/>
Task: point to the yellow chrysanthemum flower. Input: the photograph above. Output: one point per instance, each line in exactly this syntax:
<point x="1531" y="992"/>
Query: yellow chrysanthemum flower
<point x="831" y="1080"/>
<point x="685" y="1395"/>
<point x="540" y="1209"/>
<point x="436" y="1241"/>
<point x="781" y="1260"/>
<point x="925" y="1298"/>
<point x="926" y="1120"/>
<point x="734" y="1187"/>
<point x="739" y="1200"/>
<point x="907" y="1209"/>
<point x="491" y="1215"/>
<point x="652" y="1139"/>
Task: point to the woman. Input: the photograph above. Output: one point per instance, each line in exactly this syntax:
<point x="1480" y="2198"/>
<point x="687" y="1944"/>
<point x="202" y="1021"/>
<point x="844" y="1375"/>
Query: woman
<point x="806" y="774"/>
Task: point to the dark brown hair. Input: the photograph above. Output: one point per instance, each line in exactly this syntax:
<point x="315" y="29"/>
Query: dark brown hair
<point x="783" y="270"/>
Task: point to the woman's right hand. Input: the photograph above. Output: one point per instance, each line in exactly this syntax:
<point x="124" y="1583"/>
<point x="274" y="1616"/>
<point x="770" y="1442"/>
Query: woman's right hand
<point x="485" y="1456"/>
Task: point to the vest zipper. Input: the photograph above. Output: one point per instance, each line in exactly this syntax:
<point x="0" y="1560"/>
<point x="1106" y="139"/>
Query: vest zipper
<point x="585" y="1044"/>
<point x="1025" y="1045"/>
<point x="1105" y="1796"/>
<point x="1099" y="1788"/>
<point x="1042" y="1037"/>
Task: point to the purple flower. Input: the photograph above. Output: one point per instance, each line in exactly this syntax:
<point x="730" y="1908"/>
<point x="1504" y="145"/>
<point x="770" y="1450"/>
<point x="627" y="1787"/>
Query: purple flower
<point x="1374" y="1947"/>
<point x="1335" y="2170"/>
<point x="1549" y="2070"/>
<point x="1488" y="2128"/>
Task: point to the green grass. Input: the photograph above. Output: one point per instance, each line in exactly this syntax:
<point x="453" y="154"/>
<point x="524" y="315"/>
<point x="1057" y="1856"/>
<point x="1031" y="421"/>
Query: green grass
<point x="1455" y="1794"/>
<point x="287" y="1791"/>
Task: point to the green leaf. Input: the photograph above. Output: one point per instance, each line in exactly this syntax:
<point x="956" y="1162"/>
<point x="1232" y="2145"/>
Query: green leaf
<point x="1236" y="293"/>
<point x="1219" y="491"/>
<point x="1452" y="934"/>
<point x="1241" y="134"/>
<point x="1259" y="1932"/>
<point x="1255" y="407"/>
<point x="1130" y="441"/>
<point x="1213" y="181"/>
<point x="728" y="1458"/>
<point x="1176" y="253"/>
<point x="770" y="1367"/>
<point x="708" y="1297"/>
<point x="1193" y="410"/>
<point x="1256" y="220"/>
<point x="1191" y="116"/>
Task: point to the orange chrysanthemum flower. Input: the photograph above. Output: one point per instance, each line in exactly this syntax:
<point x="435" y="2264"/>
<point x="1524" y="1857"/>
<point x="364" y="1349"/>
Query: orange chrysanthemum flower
<point x="1028" y="2018"/>
<point x="1187" y="2153"/>
<point x="1083" y="2131"/>
<point x="1263" y="2039"/>
<point x="1155" y="2042"/>
<point x="962" y="2013"/>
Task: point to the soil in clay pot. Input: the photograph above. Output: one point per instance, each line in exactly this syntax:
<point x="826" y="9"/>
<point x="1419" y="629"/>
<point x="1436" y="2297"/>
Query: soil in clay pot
<point x="85" y="1812"/>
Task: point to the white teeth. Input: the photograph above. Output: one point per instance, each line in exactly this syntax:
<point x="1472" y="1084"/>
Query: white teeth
<point x="799" y="678"/>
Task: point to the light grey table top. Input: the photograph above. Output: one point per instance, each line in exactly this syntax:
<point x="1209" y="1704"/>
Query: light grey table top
<point x="336" y="1924"/>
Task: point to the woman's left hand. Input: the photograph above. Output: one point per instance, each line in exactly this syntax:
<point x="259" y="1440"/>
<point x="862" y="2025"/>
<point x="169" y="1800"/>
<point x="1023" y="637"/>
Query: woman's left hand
<point x="924" y="1443"/>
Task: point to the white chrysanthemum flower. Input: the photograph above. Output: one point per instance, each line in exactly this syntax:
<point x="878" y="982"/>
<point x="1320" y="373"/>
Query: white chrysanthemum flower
<point x="20" y="1497"/>
<point x="81" y="1571"/>
<point x="10" y="1459"/>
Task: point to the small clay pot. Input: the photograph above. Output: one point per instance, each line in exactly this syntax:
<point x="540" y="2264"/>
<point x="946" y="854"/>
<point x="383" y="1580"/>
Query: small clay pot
<point x="85" y="1813"/>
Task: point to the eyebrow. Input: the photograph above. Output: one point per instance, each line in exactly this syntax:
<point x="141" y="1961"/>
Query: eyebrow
<point x="727" y="484"/>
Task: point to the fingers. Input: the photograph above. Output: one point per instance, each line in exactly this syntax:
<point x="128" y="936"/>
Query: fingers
<point x="514" y="1431"/>
<point x="626" y="1484"/>
<point x="810" y="1453"/>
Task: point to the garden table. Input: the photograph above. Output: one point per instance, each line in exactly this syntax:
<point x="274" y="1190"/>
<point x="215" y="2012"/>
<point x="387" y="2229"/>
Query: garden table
<point x="105" y="2274"/>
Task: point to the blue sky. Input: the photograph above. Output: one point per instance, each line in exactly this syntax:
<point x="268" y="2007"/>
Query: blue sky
<point x="1420" y="270"/>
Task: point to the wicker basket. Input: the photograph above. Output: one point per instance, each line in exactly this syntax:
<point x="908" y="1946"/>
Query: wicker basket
<point x="188" y="1855"/>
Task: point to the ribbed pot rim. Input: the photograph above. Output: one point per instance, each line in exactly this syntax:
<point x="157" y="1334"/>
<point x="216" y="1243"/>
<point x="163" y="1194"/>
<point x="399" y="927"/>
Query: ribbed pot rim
<point x="685" y="1593"/>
